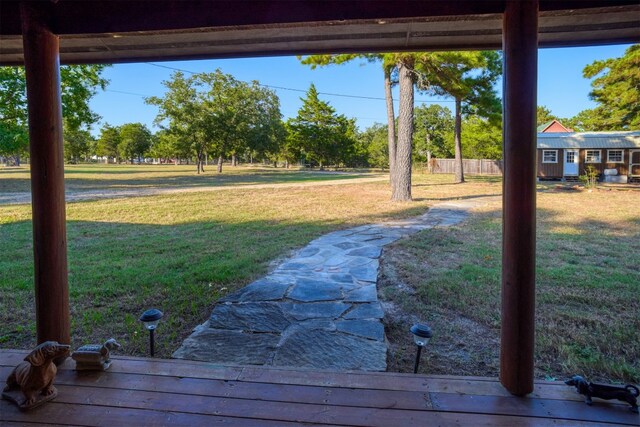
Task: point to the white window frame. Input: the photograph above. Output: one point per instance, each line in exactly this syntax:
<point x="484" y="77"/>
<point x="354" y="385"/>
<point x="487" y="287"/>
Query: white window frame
<point x="555" y="153"/>
<point x="615" y="161"/>
<point x="586" y="156"/>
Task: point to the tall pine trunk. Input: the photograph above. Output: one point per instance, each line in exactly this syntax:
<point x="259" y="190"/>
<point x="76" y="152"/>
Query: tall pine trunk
<point x="391" y="122"/>
<point x="401" y="175"/>
<point x="457" y="136"/>
<point x="219" y="164"/>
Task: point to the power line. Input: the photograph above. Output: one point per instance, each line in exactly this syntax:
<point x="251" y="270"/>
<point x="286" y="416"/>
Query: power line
<point x="127" y="93"/>
<point x="375" y="98"/>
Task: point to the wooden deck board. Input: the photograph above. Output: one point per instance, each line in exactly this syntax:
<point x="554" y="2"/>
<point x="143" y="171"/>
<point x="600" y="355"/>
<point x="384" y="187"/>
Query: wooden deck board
<point x="139" y="391"/>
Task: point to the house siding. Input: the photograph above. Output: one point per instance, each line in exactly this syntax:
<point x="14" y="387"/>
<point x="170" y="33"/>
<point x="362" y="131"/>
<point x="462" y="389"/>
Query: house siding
<point x="556" y="170"/>
<point x="550" y="170"/>
<point x="622" y="168"/>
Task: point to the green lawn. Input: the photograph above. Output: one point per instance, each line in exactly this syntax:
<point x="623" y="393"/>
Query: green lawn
<point x="180" y="252"/>
<point x="588" y="289"/>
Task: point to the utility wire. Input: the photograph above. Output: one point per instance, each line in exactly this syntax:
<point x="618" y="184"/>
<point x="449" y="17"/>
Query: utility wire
<point x="304" y="91"/>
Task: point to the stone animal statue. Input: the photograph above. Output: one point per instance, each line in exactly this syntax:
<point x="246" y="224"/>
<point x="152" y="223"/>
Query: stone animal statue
<point x="628" y="393"/>
<point x="95" y="357"/>
<point x="34" y="376"/>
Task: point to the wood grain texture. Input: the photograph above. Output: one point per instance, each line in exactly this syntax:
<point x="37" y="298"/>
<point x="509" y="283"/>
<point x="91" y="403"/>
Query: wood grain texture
<point x="42" y="67"/>
<point x="153" y="391"/>
<point x="520" y="47"/>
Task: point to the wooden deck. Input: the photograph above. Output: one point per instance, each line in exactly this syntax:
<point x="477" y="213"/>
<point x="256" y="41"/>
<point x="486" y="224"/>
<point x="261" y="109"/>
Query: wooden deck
<point x="139" y="391"/>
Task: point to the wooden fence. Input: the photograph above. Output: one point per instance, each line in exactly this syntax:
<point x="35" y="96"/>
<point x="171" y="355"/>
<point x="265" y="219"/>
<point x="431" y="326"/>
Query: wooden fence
<point x="469" y="166"/>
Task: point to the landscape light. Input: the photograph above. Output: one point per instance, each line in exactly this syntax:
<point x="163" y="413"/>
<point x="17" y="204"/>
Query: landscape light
<point x="421" y="336"/>
<point x="151" y="318"/>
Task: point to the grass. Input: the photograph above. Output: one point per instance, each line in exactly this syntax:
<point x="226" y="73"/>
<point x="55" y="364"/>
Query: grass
<point x="181" y="252"/>
<point x="100" y="176"/>
<point x="588" y="290"/>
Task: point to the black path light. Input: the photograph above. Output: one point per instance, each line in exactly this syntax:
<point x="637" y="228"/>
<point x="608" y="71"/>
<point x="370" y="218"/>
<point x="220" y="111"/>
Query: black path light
<point x="151" y="318"/>
<point x="421" y="336"/>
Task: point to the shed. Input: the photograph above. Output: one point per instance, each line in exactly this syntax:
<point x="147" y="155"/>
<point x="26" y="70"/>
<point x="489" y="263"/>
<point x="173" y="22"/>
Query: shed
<point x="567" y="155"/>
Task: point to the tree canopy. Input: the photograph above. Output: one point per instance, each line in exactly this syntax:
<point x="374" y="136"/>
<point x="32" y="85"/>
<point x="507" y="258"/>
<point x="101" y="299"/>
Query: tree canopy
<point x="319" y="133"/>
<point x="79" y="83"/>
<point x="214" y="113"/>
<point x="469" y="78"/>
<point x="616" y="88"/>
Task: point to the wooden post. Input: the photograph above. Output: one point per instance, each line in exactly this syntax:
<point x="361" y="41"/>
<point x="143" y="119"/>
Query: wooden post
<point x="42" y="66"/>
<point x="520" y="47"/>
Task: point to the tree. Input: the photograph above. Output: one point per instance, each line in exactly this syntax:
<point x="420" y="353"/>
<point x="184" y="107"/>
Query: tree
<point x="374" y="141"/>
<point x="390" y="61"/>
<point x="469" y="78"/>
<point x="543" y="115"/>
<point x="241" y="116"/>
<point x="616" y="88"/>
<point x="587" y="120"/>
<point x="135" y="141"/>
<point x="318" y="131"/>
<point x="108" y="142"/>
<point x="165" y="146"/>
<point x="483" y="138"/>
<point x="214" y="113"/>
<point x="77" y="143"/>
<point x="13" y="142"/>
<point x="433" y="133"/>
<point x="181" y="114"/>
<point x="79" y="83"/>
<point x="401" y="173"/>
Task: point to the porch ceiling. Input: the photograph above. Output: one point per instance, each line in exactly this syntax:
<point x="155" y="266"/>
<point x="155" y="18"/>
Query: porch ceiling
<point x="129" y="31"/>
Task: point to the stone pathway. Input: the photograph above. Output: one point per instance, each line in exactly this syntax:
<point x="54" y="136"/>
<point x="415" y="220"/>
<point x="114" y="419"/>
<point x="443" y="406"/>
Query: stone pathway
<point x="319" y="308"/>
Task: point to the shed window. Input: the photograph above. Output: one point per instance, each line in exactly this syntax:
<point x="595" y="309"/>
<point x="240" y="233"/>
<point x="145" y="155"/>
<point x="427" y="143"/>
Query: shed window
<point x="593" y="156"/>
<point x="549" y="156"/>
<point x="614" y="156"/>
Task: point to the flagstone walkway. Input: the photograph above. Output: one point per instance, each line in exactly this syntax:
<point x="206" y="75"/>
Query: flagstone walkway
<point x="319" y="308"/>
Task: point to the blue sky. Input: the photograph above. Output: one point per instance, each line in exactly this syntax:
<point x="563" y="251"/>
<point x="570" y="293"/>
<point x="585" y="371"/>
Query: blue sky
<point x="561" y="86"/>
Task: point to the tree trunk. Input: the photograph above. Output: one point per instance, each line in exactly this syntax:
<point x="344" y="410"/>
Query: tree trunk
<point x="391" y="122"/>
<point x="321" y="166"/>
<point x="286" y="164"/>
<point x="234" y="160"/>
<point x="401" y="173"/>
<point x="219" y="164"/>
<point x="459" y="178"/>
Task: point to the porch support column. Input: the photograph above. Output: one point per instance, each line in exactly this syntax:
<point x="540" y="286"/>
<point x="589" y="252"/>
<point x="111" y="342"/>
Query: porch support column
<point x="520" y="47"/>
<point x="42" y="66"/>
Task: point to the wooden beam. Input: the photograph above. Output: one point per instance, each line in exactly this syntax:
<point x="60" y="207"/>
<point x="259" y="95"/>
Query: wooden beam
<point x="520" y="48"/>
<point x="92" y="17"/>
<point x="47" y="174"/>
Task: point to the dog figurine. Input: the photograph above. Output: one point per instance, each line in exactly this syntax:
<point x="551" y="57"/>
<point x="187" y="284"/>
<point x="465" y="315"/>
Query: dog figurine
<point x="35" y="375"/>
<point x="628" y="393"/>
<point x="95" y="357"/>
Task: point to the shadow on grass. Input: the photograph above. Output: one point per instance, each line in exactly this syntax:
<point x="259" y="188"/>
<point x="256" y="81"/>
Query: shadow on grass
<point x="117" y="270"/>
<point x="73" y="183"/>
<point x="587" y="309"/>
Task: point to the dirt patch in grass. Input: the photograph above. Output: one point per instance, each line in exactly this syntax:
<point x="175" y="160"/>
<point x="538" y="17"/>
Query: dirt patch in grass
<point x="588" y="290"/>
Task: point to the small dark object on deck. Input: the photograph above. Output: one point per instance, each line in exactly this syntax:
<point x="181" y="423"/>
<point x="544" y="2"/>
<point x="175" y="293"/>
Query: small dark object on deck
<point x="628" y="393"/>
<point x="30" y="384"/>
<point x="95" y="357"/>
